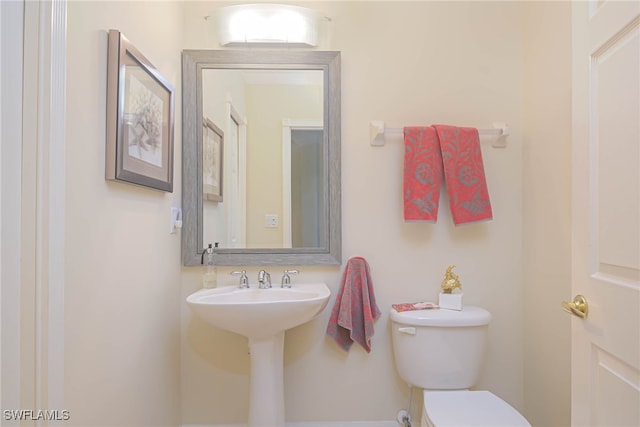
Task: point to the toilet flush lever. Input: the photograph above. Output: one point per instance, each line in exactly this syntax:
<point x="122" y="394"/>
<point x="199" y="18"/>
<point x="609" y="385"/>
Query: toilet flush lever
<point x="408" y="331"/>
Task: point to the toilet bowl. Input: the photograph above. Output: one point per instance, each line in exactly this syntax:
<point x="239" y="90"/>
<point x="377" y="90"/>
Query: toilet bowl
<point x="442" y="352"/>
<point x="469" y="409"/>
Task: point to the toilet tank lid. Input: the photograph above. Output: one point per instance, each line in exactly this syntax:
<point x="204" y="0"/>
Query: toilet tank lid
<point x="468" y="316"/>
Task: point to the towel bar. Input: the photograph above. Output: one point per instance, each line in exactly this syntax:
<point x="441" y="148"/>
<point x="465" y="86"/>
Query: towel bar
<point x="377" y="132"/>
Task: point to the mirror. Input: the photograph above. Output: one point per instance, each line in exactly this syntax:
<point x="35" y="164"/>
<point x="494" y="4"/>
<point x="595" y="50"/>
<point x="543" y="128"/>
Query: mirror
<point x="261" y="157"/>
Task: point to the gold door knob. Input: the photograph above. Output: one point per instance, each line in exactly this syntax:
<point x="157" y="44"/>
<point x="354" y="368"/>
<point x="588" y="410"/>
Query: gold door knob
<point x="579" y="307"/>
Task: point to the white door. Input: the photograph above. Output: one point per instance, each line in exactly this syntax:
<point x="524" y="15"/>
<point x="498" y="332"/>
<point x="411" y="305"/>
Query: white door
<point x="606" y="213"/>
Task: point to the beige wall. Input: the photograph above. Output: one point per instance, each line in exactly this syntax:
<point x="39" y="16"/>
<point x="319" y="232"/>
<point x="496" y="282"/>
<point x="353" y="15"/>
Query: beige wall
<point x="122" y="296"/>
<point x="122" y="330"/>
<point x="547" y="211"/>
<point x="412" y="64"/>
<point x="264" y="152"/>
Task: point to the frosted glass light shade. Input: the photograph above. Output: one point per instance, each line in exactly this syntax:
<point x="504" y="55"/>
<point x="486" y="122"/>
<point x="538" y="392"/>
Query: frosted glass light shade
<point x="267" y="23"/>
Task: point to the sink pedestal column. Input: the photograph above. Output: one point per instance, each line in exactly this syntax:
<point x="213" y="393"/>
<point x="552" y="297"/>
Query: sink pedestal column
<point x="266" y="385"/>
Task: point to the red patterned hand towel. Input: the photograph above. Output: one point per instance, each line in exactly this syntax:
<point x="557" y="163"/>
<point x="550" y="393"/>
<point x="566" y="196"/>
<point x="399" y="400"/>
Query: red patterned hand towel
<point x="464" y="174"/>
<point x="355" y="308"/>
<point x="422" y="174"/>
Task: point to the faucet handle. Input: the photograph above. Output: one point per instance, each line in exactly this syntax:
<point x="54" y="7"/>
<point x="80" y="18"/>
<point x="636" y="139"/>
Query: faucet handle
<point x="286" y="279"/>
<point x="244" y="280"/>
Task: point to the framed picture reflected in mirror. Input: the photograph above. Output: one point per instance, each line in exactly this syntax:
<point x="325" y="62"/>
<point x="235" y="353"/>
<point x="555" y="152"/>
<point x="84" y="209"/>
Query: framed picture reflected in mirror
<point x="212" y="159"/>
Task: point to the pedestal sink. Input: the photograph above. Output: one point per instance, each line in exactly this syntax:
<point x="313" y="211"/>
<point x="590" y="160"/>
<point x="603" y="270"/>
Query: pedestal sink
<point x="262" y="315"/>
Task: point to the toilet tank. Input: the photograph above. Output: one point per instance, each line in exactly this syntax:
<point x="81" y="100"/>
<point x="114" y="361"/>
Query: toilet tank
<point x="440" y="349"/>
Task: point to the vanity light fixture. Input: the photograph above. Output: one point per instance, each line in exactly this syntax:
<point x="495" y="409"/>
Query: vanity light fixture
<point x="268" y="24"/>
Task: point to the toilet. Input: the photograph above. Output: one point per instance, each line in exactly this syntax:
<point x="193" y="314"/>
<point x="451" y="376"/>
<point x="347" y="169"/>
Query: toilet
<point x="442" y="352"/>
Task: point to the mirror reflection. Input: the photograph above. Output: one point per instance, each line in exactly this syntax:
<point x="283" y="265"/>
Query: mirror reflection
<point x="263" y="158"/>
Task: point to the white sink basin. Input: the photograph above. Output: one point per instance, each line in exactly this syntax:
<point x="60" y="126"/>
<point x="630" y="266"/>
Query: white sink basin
<point x="262" y="315"/>
<point x="256" y="312"/>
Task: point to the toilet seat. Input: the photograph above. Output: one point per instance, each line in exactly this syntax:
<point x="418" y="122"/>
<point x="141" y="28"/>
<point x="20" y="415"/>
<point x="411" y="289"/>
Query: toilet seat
<point x="470" y="409"/>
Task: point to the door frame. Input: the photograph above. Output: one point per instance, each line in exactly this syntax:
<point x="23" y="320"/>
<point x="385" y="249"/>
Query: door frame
<point x="234" y="115"/>
<point x="52" y="150"/>
<point x="40" y="207"/>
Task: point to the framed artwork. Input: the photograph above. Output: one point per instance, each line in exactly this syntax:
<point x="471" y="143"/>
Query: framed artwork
<point x="212" y="144"/>
<point x="139" y="118"/>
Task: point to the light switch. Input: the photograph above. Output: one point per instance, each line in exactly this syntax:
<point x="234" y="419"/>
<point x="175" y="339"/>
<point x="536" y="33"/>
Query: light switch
<point x="271" y="221"/>
<point x="175" y="221"/>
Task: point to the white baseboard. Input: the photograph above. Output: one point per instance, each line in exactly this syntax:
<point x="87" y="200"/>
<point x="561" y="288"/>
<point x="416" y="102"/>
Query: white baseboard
<point x="314" y="424"/>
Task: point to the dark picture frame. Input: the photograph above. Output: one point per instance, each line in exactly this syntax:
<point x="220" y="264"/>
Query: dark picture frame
<point x="140" y="118"/>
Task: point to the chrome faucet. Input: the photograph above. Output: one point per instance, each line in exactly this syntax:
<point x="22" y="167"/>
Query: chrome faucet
<point x="264" y="280"/>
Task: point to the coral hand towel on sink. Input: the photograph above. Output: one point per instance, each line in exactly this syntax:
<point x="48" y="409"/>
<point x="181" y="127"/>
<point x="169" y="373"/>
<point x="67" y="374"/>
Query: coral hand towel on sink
<point x="355" y="308"/>
<point x="464" y="174"/>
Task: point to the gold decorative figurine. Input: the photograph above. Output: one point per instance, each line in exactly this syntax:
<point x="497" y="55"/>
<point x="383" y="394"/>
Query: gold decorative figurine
<point x="448" y="299"/>
<point x="450" y="281"/>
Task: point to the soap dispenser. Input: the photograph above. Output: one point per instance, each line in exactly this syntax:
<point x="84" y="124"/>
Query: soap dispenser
<point x="209" y="278"/>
